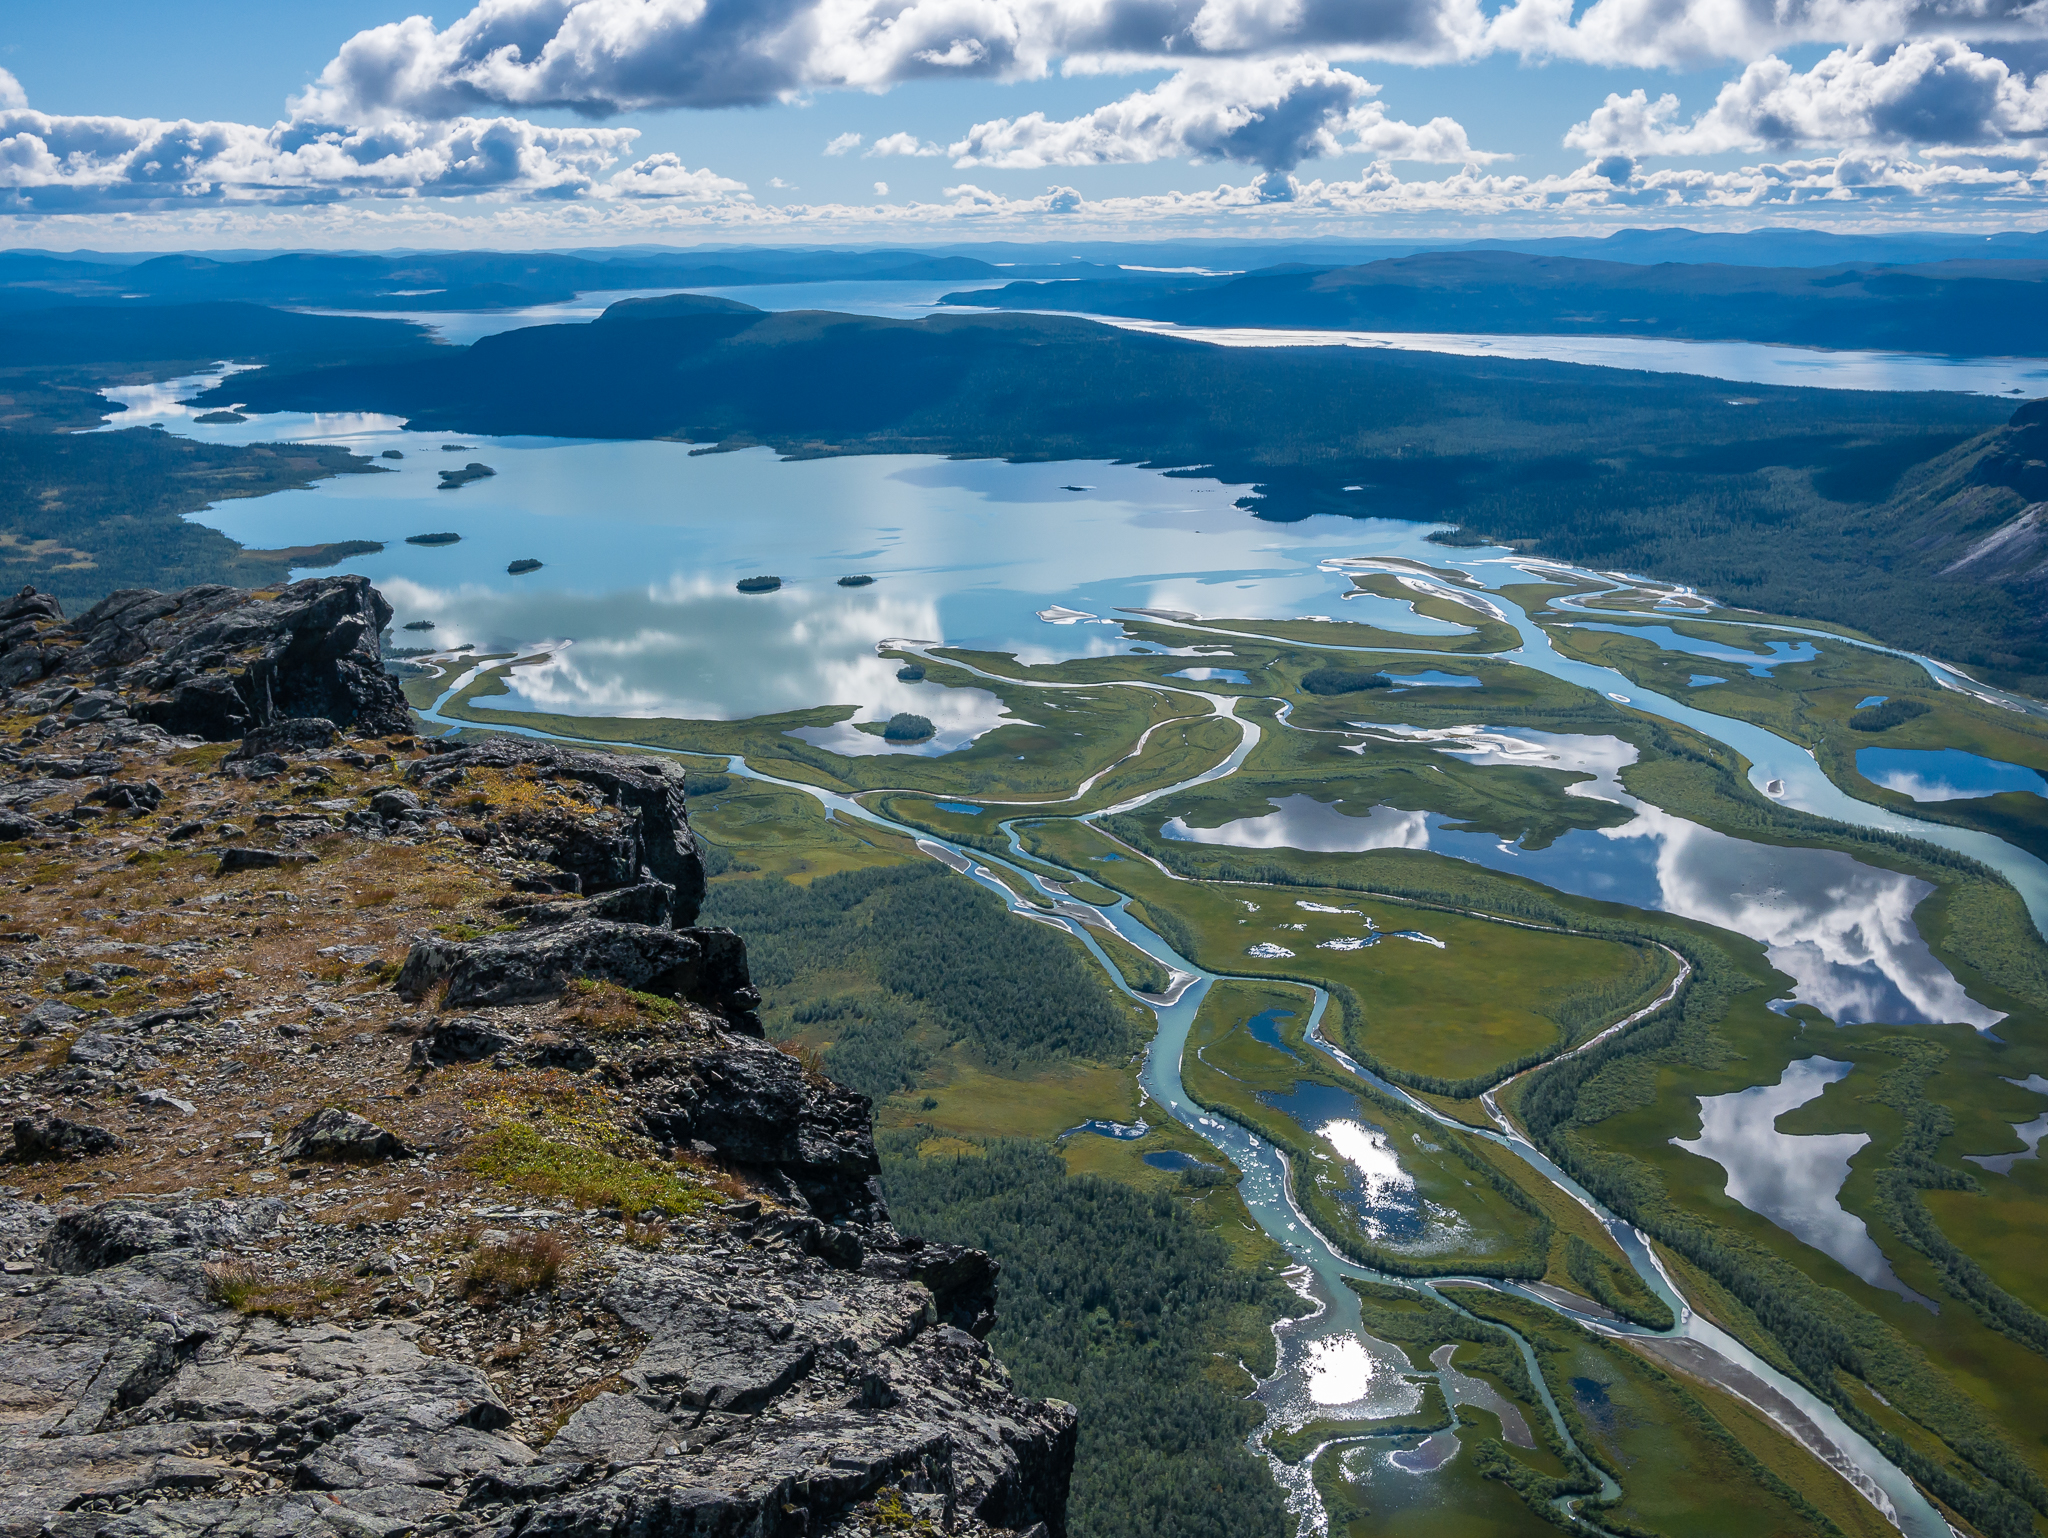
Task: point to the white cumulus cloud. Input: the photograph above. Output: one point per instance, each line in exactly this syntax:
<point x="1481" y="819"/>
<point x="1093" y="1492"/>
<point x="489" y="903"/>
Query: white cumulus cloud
<point x="600" y="57"/>
<point x="1274" y="114"/>
<point x="1937" y="92"/>
<point x="843" y="144"/>
<point x="49" y="161"/>
<point x="903" y="144"/>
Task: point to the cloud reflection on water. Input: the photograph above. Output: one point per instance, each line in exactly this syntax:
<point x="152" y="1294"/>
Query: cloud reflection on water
<point x="1794" y="1180"/>
<point x="668" y="650"/>
<point x="1842" y="930"/>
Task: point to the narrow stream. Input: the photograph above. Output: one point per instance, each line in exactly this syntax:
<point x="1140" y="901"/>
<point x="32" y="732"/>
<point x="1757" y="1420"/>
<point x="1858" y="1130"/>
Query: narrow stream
<point x="1337" y="1321"/>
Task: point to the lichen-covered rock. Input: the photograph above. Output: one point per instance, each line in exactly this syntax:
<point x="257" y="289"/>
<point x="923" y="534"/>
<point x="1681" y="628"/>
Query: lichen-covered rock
<point x="655" y="837"/>
<point x="341" y="1137"/>
<point x="52" y="1137"/>
<point x="217" y="662"/>
<point x="705" y="966"/>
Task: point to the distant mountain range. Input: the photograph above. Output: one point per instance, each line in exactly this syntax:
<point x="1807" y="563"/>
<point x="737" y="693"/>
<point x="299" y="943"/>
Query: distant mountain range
<point x="473" y="280"/>
<point x="1982" y="307"/>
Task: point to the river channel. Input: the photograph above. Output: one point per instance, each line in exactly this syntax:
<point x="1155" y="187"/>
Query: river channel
<point x="635" y="606"/>
<point x="1328" y="1364"/>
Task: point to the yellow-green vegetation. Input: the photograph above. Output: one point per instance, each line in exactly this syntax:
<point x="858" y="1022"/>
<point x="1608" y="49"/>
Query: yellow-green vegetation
<point x="1953" y="1408"/>
<point x="1439" y="1015"/>
<point x="288" y="1296"/>
<point x="609" y="1009"/>
<point x="1293" y="1098"/>
<point x="1060" y="738"/>
<point x="558" y="1158"/>
<point x="1138" y="970"/>
<point x="510" y="1269"/>
<point x="1692" y="1461"/>
<point x="952" y="1077"/>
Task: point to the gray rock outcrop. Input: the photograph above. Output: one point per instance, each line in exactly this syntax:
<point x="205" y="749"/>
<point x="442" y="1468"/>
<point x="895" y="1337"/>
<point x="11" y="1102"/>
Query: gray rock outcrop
<point x="718" y="1331"/>
<point x="341" y="1137"/>
<point x="763" y="1401"/>
<point x="654" y="830"/>
<point x="213" y="662"/>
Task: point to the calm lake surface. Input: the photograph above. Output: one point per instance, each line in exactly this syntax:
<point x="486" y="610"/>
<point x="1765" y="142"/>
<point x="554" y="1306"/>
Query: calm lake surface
<point x="1945" y="774"/>
<point x="1793" y="1181"/>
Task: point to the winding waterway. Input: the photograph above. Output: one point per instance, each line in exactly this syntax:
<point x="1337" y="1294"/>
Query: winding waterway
<point x="1329" y="1363"/>
<point x="1038" y="561"/>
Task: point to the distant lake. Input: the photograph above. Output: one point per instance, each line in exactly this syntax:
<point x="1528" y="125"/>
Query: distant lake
<point x="1738" y="362"/>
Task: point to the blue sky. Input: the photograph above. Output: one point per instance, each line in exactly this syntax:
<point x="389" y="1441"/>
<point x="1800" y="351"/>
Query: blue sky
<point x="223" y="122"/>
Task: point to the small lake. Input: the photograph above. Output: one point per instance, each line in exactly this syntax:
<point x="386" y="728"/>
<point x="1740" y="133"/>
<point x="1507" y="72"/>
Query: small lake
<point x="1759" y="664"/>
<point x="1945" y="774"/>
<point x="1379" y="1192"/>
<point x="1842" y="930"/>
<point x="1793" y="1181"/>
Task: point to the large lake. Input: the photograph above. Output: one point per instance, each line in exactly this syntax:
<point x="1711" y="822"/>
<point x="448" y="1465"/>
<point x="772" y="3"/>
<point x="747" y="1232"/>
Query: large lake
<point x="642" y="544"/>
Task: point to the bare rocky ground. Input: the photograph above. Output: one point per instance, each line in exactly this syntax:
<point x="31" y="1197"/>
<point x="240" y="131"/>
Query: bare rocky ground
<point x="391" y="1155"/>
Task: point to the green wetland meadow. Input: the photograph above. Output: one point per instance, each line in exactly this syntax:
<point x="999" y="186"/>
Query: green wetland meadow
<point x="1436" y="1108"/>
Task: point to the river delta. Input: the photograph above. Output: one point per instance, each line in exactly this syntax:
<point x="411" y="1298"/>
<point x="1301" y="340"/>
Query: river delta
<point x="1566" y="1022"/>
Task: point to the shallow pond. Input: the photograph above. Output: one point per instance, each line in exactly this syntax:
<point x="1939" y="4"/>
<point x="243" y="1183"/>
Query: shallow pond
<point x="1430" y="678"/>
<point x="1945" y="774"/>
<point x="1793" y="1180"/>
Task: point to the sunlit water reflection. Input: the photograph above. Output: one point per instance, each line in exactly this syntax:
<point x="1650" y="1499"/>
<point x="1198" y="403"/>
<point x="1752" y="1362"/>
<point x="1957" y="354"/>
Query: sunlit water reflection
<point x="1945" y="774"/>
<point x="1842" y="930"/>
<point x="1794" y="1181"/>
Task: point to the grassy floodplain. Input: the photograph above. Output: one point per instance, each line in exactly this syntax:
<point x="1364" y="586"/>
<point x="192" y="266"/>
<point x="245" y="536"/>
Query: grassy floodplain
<point x="1525" y="974"/>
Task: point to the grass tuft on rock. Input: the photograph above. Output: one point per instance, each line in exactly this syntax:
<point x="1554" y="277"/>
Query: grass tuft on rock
<point x="609" y="1009"/>
<point x="510" y="1270"/>
<point x="528" y="1160"/>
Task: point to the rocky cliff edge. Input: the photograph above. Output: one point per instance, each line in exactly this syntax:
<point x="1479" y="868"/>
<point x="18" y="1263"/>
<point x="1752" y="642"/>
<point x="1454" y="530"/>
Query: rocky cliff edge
<point x="392" y="1154"/>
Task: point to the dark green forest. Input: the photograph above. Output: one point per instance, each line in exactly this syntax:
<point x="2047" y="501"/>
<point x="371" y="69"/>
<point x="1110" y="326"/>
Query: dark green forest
<point x="83" y="515"/>
<point x="904" y="960"/>
<point x="1113" y="1300"/>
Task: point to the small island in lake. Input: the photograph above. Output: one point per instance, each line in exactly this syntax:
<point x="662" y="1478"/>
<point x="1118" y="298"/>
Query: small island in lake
<point x="221" y="418"/>
<point x="433" y="539"/>
<point x="861" y="581"/>
<point x="419" y="624"/>
<point x="457" y="448"/>
<point x="905" y="727"/>
<point x="521" y="568"/>
<point x="392" y="454"/>
<point x="452" y="479"/>
<point x="758" y="584"/>
<point x="911" y="672"/>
